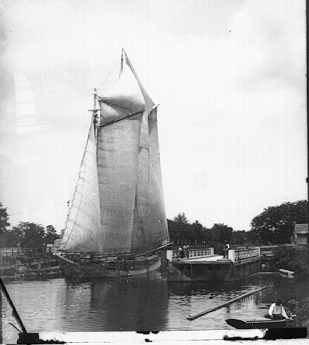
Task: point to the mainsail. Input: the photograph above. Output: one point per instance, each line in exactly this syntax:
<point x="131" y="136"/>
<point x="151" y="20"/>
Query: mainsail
<point x="118" y="205"/>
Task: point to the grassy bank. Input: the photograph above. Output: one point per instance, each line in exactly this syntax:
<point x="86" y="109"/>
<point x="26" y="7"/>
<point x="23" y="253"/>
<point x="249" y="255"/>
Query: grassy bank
<point x="295" y="259"/>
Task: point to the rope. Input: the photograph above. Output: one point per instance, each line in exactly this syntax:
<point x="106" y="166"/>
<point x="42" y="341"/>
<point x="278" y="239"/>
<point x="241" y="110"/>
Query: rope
<point x="36" y="209"/>
<point x="107" y="76"/>
<point x="122" y="118"/>
<point x="76" y="187"/>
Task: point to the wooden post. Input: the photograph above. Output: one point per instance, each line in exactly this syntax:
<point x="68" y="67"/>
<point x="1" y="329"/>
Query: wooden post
<point x="1" y="339"/>
<point x="14" y="311"/>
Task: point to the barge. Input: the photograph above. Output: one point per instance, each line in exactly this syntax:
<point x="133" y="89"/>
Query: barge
<point x="205" y="265"/>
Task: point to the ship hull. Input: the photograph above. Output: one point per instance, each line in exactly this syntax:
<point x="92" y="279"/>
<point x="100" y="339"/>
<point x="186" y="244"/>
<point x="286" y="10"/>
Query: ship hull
<point x="77" y="272"/>
<point x="219" y="270"/>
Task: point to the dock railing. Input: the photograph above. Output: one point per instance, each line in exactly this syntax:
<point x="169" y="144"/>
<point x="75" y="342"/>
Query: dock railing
<point x="236" y="255"/>
<point x="192" y="253"/>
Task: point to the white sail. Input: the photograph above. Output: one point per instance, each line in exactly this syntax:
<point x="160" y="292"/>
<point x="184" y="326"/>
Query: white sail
<point x="82" y="232"/>
<point x="130" y="208"/>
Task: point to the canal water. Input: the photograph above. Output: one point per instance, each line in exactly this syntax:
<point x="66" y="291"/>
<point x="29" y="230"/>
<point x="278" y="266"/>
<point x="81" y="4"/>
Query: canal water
<point x="143" y="304"/>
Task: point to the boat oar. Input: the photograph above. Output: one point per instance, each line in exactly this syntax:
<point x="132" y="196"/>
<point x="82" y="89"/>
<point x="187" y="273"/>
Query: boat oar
<point x="193" y="317"/>
<point x="15" y="314"/>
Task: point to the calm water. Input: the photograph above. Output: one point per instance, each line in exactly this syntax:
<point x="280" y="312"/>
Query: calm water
<point x="142" y="304"/>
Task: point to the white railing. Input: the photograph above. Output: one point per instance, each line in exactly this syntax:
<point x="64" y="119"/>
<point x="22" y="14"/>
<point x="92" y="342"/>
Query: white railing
<point x="242" y="254"/>
<point x="195" y="253"/>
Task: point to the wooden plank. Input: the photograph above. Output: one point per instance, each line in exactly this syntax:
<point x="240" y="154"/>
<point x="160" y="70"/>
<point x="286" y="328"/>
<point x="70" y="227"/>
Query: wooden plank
<point x="286" y="272"/>
<point x="193" y="317"/>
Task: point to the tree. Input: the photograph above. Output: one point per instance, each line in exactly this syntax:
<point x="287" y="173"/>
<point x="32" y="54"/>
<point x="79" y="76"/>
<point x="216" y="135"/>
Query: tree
<point x="239" y="237"/>
<point x="4" y="217"/>
<point x="29" y="235"/>
<point x="276" y="223"/>
<point x="224" y="232"/>
<point x="51" y="234"/>
<point x="181" y="218"/>
<point x="182" y="232"/>
<point x="197" y="231"/>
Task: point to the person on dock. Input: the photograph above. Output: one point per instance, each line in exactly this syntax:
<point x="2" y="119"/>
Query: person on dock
<point x="180" y="252"/>
<point x="186" y="251"/>
<point x="276" y="311"/>
<point x="226" y="249"/>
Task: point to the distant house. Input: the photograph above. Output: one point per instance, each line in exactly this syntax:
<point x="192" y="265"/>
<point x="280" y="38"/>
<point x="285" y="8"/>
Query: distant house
<point x="49" y="247"/>
<point x="8" y="256"/>
<point x="12" y="251"/>
<point x="301" y="234"/>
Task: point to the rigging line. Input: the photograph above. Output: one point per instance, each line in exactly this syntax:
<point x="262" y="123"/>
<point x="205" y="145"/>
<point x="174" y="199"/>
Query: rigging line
<point x="128" y="116"/>
<point x="76" y="186"/>
<point x="123" y="118"/>
<point x="72" y="197"/>
<point x="40" y="208"/>
<point x="152" y="250"/>
<point x="78" y="209"/>
<point x="108" y="75"/>
<point x="112" y="104"/>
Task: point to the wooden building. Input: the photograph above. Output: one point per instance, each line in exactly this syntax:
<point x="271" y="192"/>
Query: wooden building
<point x="301" y="234"/>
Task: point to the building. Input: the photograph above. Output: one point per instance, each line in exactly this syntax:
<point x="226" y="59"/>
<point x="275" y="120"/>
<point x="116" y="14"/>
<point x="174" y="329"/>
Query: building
<point x="7" y="259"/>
<point x="301" y="234"/>
<point x="56" y="245"/>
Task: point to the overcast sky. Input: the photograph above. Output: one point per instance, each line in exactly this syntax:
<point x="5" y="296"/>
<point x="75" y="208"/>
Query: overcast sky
<point x="229" y="76"/>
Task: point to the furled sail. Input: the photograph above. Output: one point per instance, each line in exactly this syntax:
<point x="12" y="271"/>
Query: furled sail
<point x="128" y="197"/>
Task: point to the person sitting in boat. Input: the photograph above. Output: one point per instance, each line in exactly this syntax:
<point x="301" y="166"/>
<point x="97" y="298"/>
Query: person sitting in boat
<point x="276" y="311"/>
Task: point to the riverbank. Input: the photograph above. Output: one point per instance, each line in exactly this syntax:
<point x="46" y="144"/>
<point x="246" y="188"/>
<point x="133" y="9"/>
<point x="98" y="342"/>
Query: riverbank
<point x="295" y="259"/>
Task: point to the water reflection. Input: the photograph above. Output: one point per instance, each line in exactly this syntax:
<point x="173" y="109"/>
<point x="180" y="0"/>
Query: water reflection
<point x="195" y="288"/>
<point x="130" y="304"/>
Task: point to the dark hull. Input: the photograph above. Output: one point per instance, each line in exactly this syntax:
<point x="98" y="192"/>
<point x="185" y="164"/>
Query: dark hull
<point x="217" y="271"/>
<point x="258" y="324"/>
<point x="77" y="272"/>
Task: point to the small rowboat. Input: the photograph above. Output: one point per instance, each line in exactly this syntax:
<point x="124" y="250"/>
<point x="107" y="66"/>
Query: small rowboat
<point x="258" y="324"/>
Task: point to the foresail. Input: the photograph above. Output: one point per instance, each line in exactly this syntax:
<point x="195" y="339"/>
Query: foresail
<point x="83" y="231"/>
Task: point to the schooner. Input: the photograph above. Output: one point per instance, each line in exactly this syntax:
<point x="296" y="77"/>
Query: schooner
<point x="116" y="218"/>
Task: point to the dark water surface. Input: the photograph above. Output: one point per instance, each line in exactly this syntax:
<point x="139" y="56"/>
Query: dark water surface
<point x="143" y="304"/>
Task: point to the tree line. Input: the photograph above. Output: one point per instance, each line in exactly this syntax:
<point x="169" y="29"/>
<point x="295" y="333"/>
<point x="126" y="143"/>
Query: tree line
<point x="25" y="234"/>
<point x="274" y="225"/>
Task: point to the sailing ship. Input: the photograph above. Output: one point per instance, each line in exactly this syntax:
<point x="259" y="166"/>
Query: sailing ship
<point x="116" y="222"/>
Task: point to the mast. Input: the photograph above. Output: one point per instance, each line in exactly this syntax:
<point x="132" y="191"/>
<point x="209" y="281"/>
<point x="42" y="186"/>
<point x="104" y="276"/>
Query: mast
<point x="123" y="53"/>
<point x="95" y="112"/>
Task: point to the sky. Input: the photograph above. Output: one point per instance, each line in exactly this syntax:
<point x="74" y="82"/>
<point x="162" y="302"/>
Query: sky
<point x="229" y="75"/>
